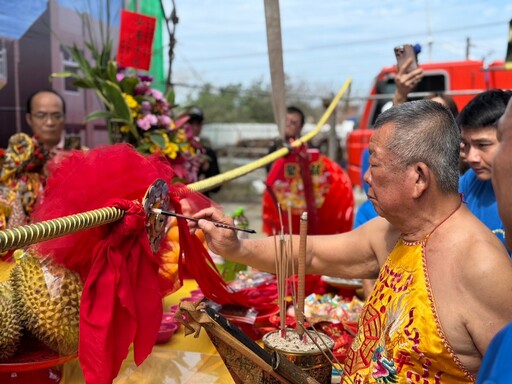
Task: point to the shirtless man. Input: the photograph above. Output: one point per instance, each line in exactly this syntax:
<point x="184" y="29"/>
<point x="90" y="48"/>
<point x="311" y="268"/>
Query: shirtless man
<point x="438" y="301"/>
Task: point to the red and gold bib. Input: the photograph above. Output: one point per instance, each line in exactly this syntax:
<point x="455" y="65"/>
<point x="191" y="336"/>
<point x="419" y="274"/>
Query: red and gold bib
<point x="400" y="338"/>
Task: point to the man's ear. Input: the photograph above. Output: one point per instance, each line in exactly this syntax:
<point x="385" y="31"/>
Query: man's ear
<point x="422" y="176"/>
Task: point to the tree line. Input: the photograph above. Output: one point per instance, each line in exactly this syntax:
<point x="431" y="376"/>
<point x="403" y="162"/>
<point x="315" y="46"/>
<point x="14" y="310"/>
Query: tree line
<point x="235" y="103"/>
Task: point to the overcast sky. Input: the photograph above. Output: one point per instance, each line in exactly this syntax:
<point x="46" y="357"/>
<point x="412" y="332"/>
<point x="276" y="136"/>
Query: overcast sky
<point x="325" y="41"/>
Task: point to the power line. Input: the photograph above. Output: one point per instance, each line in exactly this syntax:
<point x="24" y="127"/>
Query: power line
<point x="354" y="42"/>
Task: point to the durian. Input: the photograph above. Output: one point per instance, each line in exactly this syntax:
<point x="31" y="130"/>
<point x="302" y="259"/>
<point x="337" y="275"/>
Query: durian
<point x="10" y="328"/>
<point x="48" y="299"/>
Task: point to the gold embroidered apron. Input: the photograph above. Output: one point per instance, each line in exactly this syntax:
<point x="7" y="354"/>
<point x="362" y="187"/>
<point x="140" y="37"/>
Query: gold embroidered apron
<point x="399" y="338"/>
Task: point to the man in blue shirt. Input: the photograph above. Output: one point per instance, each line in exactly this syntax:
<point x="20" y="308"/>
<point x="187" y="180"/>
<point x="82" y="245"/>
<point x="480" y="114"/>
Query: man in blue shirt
<point x="478" y="123"/>
<point x="365" y="212"/>
<point x="496" y="367"/>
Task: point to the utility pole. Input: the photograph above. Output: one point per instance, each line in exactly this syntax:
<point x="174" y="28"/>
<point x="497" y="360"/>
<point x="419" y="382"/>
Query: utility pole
<point x="468" y="45"/>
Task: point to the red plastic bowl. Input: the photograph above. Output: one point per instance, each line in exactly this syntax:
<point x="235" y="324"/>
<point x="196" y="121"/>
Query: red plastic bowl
<point x="165" y="333"/>
<point x="168" y="317"/>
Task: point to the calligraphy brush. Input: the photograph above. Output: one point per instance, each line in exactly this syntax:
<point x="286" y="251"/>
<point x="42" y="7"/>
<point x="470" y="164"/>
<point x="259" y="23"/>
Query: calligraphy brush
<point x="216" y="223"/>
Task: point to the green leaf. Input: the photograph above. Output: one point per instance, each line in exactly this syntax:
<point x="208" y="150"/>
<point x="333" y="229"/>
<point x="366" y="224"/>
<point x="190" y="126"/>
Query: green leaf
<point x="94" y="51"/>
<point x="82" y="83"/>
<point x="65" y="74"/>
<point x="115" y="119"/>
<point x="128" y="84"/>
<point x="106" y="53"/>
<point x="150" y="99"/>
<point x="157" y="139"/>
<point x="177" y="179"/>
<point x="170" y="96"/>
<point x="144" y="147"/>
<point x="114" y="95"/>
<point x="112" y="71"/>
<point x="98" y="115"/>
<point x="79" y="57"/>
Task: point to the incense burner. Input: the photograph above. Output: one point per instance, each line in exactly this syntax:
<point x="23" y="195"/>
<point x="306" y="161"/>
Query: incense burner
<point x="308" y="355"/>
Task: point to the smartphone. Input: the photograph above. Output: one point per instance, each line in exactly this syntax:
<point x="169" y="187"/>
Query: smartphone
<point x="404" y="52"/>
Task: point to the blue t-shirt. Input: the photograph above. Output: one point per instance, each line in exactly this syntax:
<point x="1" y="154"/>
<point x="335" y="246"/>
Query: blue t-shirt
<point x="496" y="367"/>
<point x="365" y="212"/>
<point x="481" y="200"/>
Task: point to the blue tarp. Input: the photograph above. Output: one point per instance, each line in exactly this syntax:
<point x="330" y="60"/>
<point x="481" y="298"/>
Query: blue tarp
<point x="16" y="16"/>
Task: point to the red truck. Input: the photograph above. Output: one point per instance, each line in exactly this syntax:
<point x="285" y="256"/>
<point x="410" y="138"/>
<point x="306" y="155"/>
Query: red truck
<point x="460" y="79"/>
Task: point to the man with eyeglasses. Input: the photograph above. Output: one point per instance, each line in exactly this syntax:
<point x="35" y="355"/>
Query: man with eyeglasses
<point x="46" y="111"/>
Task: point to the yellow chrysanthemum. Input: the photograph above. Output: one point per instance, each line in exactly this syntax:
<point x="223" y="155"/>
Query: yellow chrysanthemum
<point x="186" y="147"/>
<point x="154" y="148"/>
<point x="171" y="150"/>
<point x="132" y="104"/>
<point x="180" y="136"/>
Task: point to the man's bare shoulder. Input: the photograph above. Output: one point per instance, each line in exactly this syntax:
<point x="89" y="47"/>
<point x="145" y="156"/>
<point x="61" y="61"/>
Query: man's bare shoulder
<point x="471" y="277"/>
<point x="479" y="254"/>
<point x="382" y="236"/>
<point x="485" y="257"/>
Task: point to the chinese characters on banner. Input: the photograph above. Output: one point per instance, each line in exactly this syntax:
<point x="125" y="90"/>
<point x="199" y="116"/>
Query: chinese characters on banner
<point x="136" y="40"/>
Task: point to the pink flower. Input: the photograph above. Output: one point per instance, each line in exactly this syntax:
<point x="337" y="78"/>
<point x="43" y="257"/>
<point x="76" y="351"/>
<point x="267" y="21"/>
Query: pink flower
<point x="156" y="94"/>
<point x="145" y="107"/>
<point x="147" y="121"/>
<point x="165" y="120"/>
<point x="153" y="119"/>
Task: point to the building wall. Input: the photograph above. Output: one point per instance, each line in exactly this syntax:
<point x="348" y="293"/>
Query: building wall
<point x="8" y="105"/>
<point x="33" y="58"/>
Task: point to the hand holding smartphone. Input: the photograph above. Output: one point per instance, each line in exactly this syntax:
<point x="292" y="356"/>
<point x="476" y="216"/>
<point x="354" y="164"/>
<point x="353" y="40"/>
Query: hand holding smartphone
<point x="404" y="52"/>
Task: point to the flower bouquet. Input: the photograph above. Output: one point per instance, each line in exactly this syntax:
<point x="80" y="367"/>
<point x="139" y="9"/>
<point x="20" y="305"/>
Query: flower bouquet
<point x="154" y="128"/>
<point x="136" y="113"/>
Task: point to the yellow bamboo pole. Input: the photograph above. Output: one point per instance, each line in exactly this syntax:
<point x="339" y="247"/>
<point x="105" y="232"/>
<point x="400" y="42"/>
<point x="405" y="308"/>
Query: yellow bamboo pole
<point x="33" y="233"/>
<point x="19" y="237"/>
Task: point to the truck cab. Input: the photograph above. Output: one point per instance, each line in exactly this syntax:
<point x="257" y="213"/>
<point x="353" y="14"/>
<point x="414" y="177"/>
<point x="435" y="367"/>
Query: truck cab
<point x="462" y="80"/>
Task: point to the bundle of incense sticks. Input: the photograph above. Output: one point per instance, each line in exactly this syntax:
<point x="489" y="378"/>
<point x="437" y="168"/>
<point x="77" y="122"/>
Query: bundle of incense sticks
<point x="293" y="287"/>
<point x="282" y="279"/>
<point x="284" y="255"/>
<point x="301" y="274"/>
<point x="281" y="252"/>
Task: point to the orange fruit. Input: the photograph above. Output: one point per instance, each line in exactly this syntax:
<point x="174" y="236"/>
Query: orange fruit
<point x="171" y="256"/>
<point x="174" y="234"/>
<point x="200" y="234"/>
